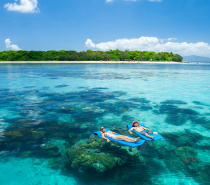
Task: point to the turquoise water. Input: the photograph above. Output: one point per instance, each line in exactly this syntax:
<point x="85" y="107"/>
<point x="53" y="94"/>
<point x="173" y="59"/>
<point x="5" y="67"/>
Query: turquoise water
<point x="49" y="112"/>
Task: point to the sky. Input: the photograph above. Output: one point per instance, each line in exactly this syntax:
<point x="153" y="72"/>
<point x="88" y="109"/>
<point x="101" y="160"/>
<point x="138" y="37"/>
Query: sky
<point x="178" y="26"/>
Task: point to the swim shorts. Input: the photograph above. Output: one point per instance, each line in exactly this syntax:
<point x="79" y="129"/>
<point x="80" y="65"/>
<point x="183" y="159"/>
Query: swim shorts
<point x="146" y="131"/>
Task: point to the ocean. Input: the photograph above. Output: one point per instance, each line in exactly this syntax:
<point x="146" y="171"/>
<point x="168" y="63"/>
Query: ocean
<point x="49" y="112"/>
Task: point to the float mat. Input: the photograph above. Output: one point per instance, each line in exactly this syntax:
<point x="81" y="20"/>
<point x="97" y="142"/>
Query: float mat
<point x="131" y="144"/>
<point x="157" y="136"/>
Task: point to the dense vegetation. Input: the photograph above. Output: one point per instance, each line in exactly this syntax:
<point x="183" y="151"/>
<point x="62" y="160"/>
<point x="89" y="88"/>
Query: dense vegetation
<point x="88" y="55"/>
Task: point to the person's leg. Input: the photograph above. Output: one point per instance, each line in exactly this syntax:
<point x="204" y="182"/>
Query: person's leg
<point x="125" y="138"/>
<point x="152" y="137"/>
<point x="118" y="138"/>
<point x="155" y="132"/>
<point x="128" y="139"/>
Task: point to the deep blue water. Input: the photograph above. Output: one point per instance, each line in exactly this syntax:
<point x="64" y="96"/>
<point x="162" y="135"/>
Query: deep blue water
<point x="48" y="114"/>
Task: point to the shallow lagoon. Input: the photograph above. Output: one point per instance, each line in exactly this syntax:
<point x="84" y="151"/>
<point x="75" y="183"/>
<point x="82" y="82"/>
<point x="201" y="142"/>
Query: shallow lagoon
<point x="49" y="112"/>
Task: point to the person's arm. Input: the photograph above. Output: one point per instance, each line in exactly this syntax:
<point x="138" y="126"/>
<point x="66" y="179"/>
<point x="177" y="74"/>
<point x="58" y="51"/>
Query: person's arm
<point x="130" y="131"/>
<point x="112" y="132"/>
<point x="105" y="138"/>
<point x="146" y="128"/>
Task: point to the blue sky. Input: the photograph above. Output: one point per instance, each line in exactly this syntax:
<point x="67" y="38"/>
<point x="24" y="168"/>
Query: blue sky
<point x="180" y="26"/>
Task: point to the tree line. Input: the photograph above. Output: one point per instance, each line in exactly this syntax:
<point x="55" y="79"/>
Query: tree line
<point x="88" y="55"/>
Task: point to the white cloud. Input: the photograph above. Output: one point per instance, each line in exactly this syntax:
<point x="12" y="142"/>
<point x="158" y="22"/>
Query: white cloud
<point x="154" y="44"/>
<point x="90" y="44"/>
<point x="170" y="39"/>
<point x="109" y="1"/>
<point x="24" y="6"/>
<point x="11" y="46"/>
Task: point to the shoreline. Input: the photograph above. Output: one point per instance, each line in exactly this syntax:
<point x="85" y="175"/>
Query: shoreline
<point x="88" y="62"/>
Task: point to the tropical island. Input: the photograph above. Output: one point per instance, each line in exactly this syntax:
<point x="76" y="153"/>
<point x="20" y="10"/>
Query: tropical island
<point x="89" y="55"/>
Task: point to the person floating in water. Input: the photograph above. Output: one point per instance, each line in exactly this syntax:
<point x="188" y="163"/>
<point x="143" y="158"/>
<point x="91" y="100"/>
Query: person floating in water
<point x="142" y="130"/>
<point x="113" y="135"/>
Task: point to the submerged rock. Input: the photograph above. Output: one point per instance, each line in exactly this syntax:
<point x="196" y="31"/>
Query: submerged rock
<point x="172" y="109"/>
<point x="189" y="160"/>
<point x="13" y="133"/>
<point x="183" y="138"/>
<point x="185" y="153"/>
<point x="26" y="154"/>
<point x="84" y="157"/>
<point x="145" y="107"/>
<point x="98" y="155"/>
<point x="176" y="119"/>
<point x="199" y="103"/>
<point x="55" y="147"/>
<point x="99" y="167"/>
<point x="173" y="102"/>
<point x="139" y="100"/>
<point x="38" y="134"/>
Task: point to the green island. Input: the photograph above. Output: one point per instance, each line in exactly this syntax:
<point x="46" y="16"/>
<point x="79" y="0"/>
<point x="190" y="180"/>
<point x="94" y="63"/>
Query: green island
<point x="89" y="55"/>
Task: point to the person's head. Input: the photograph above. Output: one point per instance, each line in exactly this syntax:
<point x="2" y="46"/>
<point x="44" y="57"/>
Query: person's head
<point x="135" y="124"/>
<point x="102" y="129"/>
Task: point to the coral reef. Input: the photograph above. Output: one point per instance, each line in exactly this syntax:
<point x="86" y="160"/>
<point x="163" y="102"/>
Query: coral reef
<point x="57" y="128"/>
<point x="98" y="155"/>
<point x="55" y="147"/>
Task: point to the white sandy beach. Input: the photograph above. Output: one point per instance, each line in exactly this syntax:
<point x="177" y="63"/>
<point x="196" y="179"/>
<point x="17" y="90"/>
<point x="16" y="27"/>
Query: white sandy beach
<point x="87" y="62"/>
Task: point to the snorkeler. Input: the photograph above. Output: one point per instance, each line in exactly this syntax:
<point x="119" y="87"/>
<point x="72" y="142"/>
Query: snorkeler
<point x="113" y="135"/>
<point x="142" y="130"/>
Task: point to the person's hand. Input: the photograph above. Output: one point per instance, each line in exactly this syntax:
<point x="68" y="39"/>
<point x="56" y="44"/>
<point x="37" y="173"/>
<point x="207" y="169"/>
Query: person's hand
<point x="131" y="132"/>
<point x="108" y="140"/>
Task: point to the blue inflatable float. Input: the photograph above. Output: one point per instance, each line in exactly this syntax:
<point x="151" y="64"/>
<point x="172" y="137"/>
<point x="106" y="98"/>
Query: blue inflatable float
<point x="156" y="136"/>
<point x="131" y="144"/>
